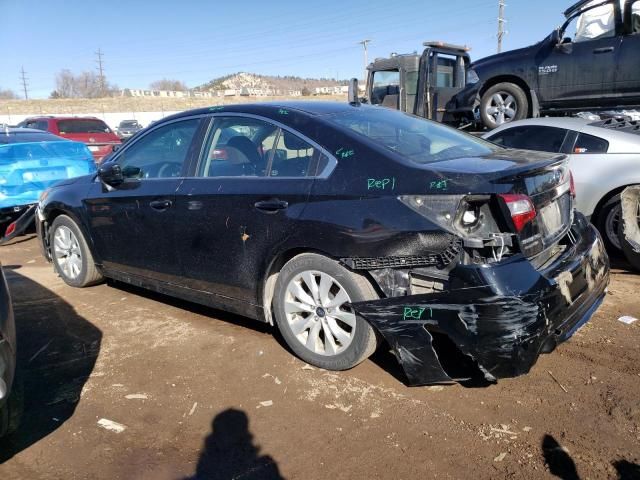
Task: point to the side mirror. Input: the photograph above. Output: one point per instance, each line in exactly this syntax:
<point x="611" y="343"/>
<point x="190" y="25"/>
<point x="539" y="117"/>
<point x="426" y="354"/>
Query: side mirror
<point x="353" y="92"/>
<point x="111" y="174"/>
<point x="554" y="38"/>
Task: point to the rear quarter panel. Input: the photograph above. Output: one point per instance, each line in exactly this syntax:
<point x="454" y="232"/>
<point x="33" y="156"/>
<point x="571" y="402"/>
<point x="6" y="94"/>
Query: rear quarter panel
<point x="596" y="175"/>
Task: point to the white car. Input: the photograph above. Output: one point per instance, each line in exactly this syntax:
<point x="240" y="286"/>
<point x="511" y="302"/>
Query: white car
<point x="604" y="159"/>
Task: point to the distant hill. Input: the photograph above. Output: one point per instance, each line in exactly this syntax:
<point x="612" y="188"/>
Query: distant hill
<point x="237" y="81"/>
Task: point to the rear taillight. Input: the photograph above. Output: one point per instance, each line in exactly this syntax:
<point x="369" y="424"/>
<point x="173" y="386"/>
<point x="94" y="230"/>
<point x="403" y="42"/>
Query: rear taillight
<point x="521" y="209"/>
<point x="10" y="229"/>
<point x="572" y="185"/>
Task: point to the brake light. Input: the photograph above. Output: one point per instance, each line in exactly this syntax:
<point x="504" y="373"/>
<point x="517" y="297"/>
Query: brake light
<point x="572" y="185"/>
<point x="521" y="209"/>
<point x="10" y="229"/>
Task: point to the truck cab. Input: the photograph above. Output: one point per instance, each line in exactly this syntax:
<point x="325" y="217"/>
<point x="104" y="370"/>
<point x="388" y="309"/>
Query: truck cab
<point x="589" y="63"/>
<point x="420" y="84"/>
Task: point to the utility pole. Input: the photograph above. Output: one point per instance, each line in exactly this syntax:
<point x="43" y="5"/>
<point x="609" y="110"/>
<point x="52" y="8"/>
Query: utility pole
<point x="23" y="79"/>
<point x="100" y="71"/>
<point x="501" y="22"/>
<point x="364" y="44"/>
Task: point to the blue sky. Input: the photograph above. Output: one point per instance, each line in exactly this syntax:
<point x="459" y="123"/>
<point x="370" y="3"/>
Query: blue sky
<point x="195" y="41"/>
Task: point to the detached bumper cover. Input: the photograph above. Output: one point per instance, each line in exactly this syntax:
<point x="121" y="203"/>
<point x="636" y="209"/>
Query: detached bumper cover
<point x="499" y="316"/>
<point x="21" y="224"/>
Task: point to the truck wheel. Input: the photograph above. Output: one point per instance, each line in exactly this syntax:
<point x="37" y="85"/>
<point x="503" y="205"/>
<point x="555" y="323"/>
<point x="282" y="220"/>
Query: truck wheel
<point x="312" y="309"/>
<point x="72" y="258"/>
<point x="502" y="103"/>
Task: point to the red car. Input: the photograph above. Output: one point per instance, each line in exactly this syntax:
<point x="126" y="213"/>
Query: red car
<point x="92" y="131"/>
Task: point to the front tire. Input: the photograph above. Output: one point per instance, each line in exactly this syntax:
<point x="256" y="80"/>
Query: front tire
<point x="504" y="102"/>
<point x="311" y="301"/>
<point x="72" y="258"/>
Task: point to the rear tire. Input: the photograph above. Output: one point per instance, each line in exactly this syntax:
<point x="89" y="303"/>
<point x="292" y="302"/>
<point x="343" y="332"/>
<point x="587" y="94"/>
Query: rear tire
<point x="504" y="102"/>
<point x="11" y="412"/>
<point x="72" y="258"/>
<point x="608" y="222"/>
<point x="309" y="305"/>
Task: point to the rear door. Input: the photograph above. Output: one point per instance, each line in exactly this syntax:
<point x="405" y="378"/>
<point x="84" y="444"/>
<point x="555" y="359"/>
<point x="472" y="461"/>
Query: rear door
<point x="251" y="184"/>
<point x="132" y="225"/>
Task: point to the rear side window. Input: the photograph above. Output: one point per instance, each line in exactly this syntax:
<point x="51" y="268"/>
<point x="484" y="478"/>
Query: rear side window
<point x="531" y="137"/>
<point x="292" y="156"/>
<point x="77" y="125"/>
<point x="590" y="144"/>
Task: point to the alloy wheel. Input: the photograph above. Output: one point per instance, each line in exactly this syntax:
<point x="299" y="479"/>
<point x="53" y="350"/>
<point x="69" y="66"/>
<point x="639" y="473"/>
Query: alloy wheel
<point x="502" y="108"/>
<point x="67" y="252"/>
<point x="316" y="312"/>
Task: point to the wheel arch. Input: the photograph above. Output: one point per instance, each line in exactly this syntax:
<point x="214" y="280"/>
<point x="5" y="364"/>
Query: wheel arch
<point x="597" y="211"/>
<point x="54" y="212"/>
<point x="519" y="81"/>
<point x="274" y="267"/>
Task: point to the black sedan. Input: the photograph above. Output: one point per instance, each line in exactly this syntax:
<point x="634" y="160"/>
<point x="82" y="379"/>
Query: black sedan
<point x="9" y="401"/>
<point x="346" y="225"/>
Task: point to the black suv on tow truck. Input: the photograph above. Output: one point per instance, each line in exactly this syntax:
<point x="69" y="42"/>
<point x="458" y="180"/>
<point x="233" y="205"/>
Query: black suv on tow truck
<point x="589" y="63"/>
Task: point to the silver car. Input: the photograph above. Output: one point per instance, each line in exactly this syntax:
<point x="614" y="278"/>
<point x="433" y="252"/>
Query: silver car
<point x="604" y="159"/>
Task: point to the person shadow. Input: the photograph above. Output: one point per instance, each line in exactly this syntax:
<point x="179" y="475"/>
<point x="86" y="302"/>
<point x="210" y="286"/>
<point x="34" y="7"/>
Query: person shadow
<point x="56" y="353"/>
<point x="562" y="465"/>
<point x="229" y="452"/>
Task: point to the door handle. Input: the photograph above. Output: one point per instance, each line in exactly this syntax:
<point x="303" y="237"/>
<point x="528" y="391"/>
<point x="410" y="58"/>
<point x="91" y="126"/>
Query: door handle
<point x="160" y="205"/>
<point x="603" y="50"/>
<point x="271" y="206"/>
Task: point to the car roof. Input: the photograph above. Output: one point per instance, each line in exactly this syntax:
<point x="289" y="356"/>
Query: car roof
<point x="53" y="117"/>
<point x="619" y="140"/>
<point x="25" y="135"/>
<point x="309" y="107"/>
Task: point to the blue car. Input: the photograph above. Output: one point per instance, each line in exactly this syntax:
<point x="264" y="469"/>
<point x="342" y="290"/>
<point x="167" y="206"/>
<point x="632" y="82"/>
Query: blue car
<point x="31" y="161"/>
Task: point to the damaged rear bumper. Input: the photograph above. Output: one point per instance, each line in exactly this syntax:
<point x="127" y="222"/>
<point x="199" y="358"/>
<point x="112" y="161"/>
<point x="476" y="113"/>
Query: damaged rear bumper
<point x="498" y="317"/>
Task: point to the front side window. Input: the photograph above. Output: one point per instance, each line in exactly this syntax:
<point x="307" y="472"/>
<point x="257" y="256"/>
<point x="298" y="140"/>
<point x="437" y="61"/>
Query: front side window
<point x="420" y="141"/>
<point x="161" y="153"/>
<point x="531" y="137"/>
<point x="594" y="23"/>
<point x="635" y="17"/>
<point x="386" y="88"/>
<point x="238" y="147"/>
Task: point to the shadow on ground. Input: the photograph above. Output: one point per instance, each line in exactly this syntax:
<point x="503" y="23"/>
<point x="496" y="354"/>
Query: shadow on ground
<point x="57" y="350"/>
<point x="562" y="465"/>
<point x="229" y="452"/>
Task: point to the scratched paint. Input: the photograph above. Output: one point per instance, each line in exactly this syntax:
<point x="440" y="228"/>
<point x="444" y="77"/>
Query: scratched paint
<point x="345" y="153"/>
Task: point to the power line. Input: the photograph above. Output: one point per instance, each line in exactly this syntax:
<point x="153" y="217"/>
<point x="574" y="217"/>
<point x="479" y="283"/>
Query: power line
<point x="501" y="22"/>
<point x="23" y="79"/>
<point x="99" y="54"/>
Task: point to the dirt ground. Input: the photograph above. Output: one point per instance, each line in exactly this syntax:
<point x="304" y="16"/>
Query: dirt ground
<point x="196" y="393"/>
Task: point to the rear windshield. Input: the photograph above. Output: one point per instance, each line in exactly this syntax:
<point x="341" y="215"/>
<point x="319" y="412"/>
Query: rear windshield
<point x="77" y="125"/>
<point x="43" y="150"/>
<point x="417" y="139"/>
<point x="129" y="123"/>
<point x="20" y="137"/>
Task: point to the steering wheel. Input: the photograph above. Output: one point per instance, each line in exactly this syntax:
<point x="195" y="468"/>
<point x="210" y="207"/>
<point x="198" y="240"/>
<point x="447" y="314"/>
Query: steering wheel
<point x="169" y="169"/>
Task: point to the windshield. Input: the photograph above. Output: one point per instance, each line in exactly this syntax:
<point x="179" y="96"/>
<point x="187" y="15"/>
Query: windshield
<point x="82" y="126"/>
<point x="419" y="140"/>
<point x="129" y="123"/>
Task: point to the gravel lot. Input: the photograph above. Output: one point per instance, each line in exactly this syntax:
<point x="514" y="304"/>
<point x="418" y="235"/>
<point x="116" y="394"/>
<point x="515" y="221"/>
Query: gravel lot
<point x="125" y="384"/>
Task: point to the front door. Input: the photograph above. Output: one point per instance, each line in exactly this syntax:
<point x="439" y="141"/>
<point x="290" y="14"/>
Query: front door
<point x="132" y="224"/>
<point x="252" y="183"/>
<point x="628" y="73"/>
<point x="580" y="71"/>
